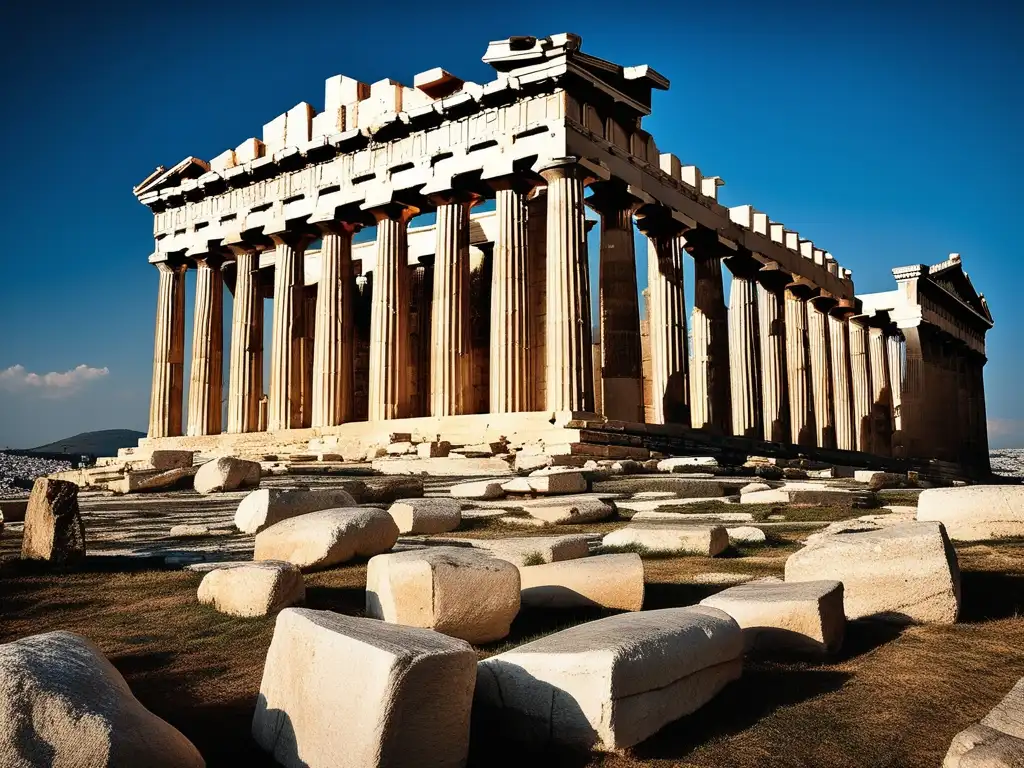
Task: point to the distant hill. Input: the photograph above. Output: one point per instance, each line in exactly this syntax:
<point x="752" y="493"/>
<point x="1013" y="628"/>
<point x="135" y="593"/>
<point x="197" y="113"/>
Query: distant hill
<point x="104" y="442"/>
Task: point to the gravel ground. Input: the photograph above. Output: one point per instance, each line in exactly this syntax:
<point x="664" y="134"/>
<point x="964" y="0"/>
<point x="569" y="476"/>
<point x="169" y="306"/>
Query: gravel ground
<point x="16" y="472"/>
<point x="1008" y="461"/>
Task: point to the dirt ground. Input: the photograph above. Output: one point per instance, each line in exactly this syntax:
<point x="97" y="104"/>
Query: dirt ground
<point x="892" y="698"/>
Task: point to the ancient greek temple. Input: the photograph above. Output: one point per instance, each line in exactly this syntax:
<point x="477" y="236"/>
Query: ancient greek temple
<point x="481" y="322"/>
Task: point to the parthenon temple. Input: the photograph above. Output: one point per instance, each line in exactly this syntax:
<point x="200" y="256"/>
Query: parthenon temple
<point x="482" y="322"/>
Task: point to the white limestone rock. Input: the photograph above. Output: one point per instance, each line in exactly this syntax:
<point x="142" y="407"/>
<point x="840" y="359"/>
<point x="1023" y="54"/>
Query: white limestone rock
<point x="802" y="616"/>
<point x="528" y="462"/>
<point x="189" y="531"/>
<point x="517" y="485"/>
<point x="437" y="449"/>
<point x="458" y="591"/>
<point x="997" y="741"/>
<point x="582" y="511"/>
<point x="480" y="489"/>
<point x="904" y="574"/>
<point x="429" y="515"/>
<point x="528" y="550"/>
<point x="63" y="704"/>
<point x="704" y="518"/>
<point x="746" y="534"/>
<point x="268" y="506"/>
<point x="559" y="481"/>
<point x="686" y="462"/>
<point x="346" y="692"/>
<point x="170" y="459"/>
<point x="328" y="537"/>
<point x="754" y="487"/>
<point x="681" y="538"/>
<point x="252" y="589"/>
<point x="606" y="581"/>
<point x="227" y="474"/>
<point x="975" y="512"/>
<point x="610" y="684"/>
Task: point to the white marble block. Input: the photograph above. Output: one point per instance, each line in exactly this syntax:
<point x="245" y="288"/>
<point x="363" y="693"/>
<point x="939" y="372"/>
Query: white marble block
<point x="605" y="581"/>
<point x="976" y="512"/>
<point x="681" y="537"/>
<point x="432" y="515"/>
<point x="328" y="537"/>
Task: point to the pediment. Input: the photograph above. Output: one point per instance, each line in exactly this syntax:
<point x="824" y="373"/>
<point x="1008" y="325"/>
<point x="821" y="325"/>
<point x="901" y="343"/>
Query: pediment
<point x="951" y="277"/>
<point x="161" y="178"/>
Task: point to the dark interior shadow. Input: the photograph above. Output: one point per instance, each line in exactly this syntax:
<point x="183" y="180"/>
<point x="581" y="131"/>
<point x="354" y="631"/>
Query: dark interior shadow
<point x="347" y="600"/>
<point x="660" y="595"/>
<point x="988" y="595"/>
<point x="535" y="622"/>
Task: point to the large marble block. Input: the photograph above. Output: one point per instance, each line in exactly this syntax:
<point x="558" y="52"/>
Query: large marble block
<point x="976" y="512"/>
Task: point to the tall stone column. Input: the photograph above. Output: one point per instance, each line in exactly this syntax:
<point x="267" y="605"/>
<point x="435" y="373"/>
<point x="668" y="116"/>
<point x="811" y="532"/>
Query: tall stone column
<point x="568" y="342"/>
<point x="245" y="374"/>
<point x="881" y="393"/>
<point x="332" y="334"/>
<point x="821" y="370"/>
<point x="511" y="363"/>
<point x="842" y="390"/>
<point x="667" y="324"/>
<point x="284" y="406"/>
<point x="771" y="313"/>
<point x="621" y="357"/>
<point x="744" y="348"/>
<point x="537" y="267"/>
<point x="709" y="372"/>
<point x="450" y="347"/>
<point x="388" y="387"/>
<point x="803" y="430"/>
<point x="206" y="375"/>
<point x="860" y="371"/>
<point x="168" y="352"/>
<point x="895" y="348"/>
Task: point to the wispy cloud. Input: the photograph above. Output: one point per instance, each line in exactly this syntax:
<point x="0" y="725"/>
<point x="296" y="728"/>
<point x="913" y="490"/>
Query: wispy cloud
<point x="53" y="384"/>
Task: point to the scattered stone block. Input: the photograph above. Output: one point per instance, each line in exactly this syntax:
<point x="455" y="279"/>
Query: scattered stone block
<point x="328" y="537"/>
<point x="517" y="485"/>
<point x="458" y="591"/>
<point x="189" y="531"/>
<point x="426" y="515"/>
<point x="451" y="465"/>
<point x="627" y="467"/>
<point x="482" y="489"/>
<point x="142" y="481"/>
<point x="168" y="459"/>
<point x="535" y="550"/>
<point x="802" y="616"/>
<point x="686" y="462"/>
<point x="754" y="487"/>
<point x="384" y="490"/>
<point x="557" y="482"/>
<point x="54" y="531"/>
<point x="63" y="704"/>
<point x="997" y="741"/>
<point x="904" y="574"/>
<point x="685" y="487"/>
<point x="227" y="474"/>
<point x="975" y="512"/>
<point x="524" y="522"/>
<point x="610" y="684"/>
<point x="584" y="511"/>
<point x="401" y="449"/>
<point x="746" y="534"/>
<point x="528" y="462"/>
<point x="769" y="472"/>
<point x="252" y="589"/>
<point x="437" y="449"/>
<point x="265" y="507"/>
<point x="605" y="581"/>
<point x="683" y="518"/>
<point x="680" y="538"/>
<point x="346" y="692"/>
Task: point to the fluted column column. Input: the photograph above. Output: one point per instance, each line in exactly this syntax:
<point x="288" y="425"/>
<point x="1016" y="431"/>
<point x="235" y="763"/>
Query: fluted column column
<point x="821" y="370"/>
<point x="860" y="372"/>
<point x="803" y="430"/>
<point x="511" y="363"/>
<point x="206" y="374"/>
<point x="896" y="353"/>
<point x="450" y="344"/>
<point x="245" y="374"/>
<point x="388" y="395"/>
<point x="842" y="391"/>
<point x="666" y="316"/>
<point x="621" y="358"/>
<point x="709" y="371"/>
<point x="744" y="348"/>
<point x="284" y="406"/>
<point x="168" y="352"/>
<point x="332" y="333"/>
<point x="771" y="314"/>
<point x="568" y="342"/>
<point x="881" y="394"/>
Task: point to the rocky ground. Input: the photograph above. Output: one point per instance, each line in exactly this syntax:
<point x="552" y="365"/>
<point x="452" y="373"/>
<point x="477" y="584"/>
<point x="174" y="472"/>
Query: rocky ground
<point x="18" y="472"/>
<point x="1008" y="462"/>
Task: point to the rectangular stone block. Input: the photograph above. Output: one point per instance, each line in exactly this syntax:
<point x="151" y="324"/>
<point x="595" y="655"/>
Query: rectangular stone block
<point x="298" y="124"/>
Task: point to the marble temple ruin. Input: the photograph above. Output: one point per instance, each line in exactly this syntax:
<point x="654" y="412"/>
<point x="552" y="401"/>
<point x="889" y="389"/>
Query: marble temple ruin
<point x="481" y="322"/>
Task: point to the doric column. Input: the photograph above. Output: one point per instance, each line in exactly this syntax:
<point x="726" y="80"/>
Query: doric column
<point x="895" y="348"/>
<point x="619" y="312"/>
<point x="168" y="352"/>
<point x="881" y="394"/>
<point x="666" y="319"/>
<point x="245" y="374"/>
<point x="284" y="406"/>
<point x="709" y="371"/>
<point x="842" y="391"/>
<point x="771" y="313"/>
<point x="206" y="375"/>
<point x="860" y="374"/>
<point x="537" y="232"/>
<point x="744" y="348"/>
<point x="511" y="364"/>
<point x="450" y="350"/>
<point x="388" y="389"/>
<point x="568" y="343"/>
<point x="803" y="430"/>
<point x="332" y="334"/>
<point x="821" y="371"/>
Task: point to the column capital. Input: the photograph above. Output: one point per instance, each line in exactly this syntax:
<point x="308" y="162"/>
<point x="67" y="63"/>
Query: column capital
<point x="743" y="265"/>
<point x="703" y="242"/>
<point x="609" y="197"/>
<point x="773" y="277"/>
<point x="394" y="212"/>
<point x="522" y="183"/>
<point x="823" y="302"/>
<point x="211" y="260"/>
<point x="573" y="168"/>
<point x="659" y="221"/>
<point x="297" y="239"/>
<point x="170" y="264"/>
<point x="455" y="197"/>
<point x="801" y="290"/>
<point x="845" y="308"/>
<point x="249" y="241"/>
<point x="338" y="227"/>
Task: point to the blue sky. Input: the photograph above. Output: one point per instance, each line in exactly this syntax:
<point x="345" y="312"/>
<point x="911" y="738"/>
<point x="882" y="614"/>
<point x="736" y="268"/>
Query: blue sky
<point x="887" y="134"/>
